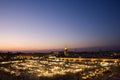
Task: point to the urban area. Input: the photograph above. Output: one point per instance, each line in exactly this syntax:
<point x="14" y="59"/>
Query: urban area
<point x="60" y="65"/>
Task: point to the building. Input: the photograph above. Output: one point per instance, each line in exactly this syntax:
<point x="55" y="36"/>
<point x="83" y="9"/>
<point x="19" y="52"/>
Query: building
<point x="65" y="51"/>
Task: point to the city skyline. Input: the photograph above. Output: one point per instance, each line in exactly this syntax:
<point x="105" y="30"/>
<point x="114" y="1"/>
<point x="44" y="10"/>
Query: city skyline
<point x="53" y="24"/>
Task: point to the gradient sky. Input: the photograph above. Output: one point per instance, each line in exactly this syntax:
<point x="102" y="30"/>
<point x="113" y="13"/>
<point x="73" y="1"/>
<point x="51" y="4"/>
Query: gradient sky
<point x="53" y="24"/>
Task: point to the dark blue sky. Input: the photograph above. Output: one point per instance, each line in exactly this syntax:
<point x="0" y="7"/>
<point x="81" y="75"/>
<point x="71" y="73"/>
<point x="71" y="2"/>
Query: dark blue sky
<point x="53" y="24"/>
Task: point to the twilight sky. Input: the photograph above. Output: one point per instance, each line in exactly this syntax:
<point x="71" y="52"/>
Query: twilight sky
<point x="53" y="24"/>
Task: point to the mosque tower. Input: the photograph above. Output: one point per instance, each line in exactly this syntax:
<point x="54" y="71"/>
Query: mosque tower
<point x="65" y="51"/>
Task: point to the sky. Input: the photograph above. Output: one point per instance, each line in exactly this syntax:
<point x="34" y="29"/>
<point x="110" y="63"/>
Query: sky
<point x="54" y="24"/>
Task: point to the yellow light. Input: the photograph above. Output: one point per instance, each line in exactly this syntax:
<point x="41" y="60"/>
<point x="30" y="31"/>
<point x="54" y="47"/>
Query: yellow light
<point x="115" y="61"/>
<point x="65" y="48"/>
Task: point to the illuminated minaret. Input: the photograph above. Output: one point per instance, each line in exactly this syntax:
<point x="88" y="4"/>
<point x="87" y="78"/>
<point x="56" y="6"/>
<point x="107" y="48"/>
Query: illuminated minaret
<point x="65" y="51"/>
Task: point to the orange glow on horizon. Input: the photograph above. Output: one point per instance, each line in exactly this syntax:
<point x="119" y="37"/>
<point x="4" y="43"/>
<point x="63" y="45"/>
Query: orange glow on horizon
<point x="27" y="47"/>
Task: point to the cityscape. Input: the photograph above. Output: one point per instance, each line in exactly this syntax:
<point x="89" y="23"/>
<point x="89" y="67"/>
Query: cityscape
<point x="61" y="65"/>
<point x="59" y="39"/>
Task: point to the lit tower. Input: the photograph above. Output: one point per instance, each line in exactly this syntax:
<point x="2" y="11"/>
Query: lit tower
<point x="65" y="51"/>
